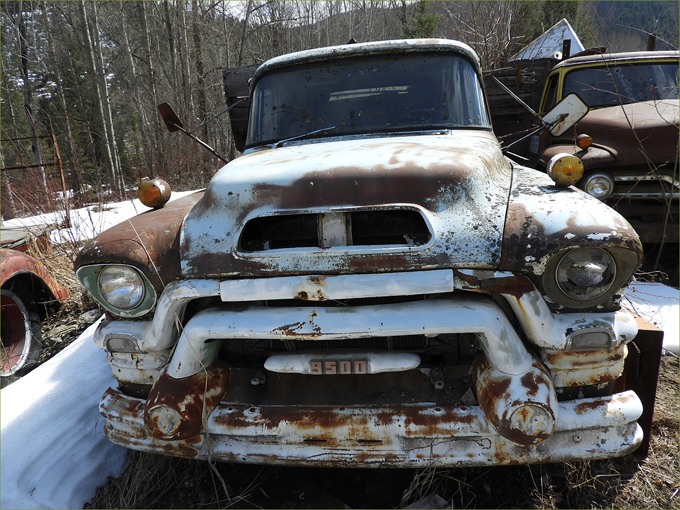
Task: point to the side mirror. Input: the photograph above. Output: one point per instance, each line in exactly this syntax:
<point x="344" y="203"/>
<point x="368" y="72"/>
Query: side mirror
<point x="173" y="124"/>
<point x="170" y="118"/>
<point x="564" y="115"/>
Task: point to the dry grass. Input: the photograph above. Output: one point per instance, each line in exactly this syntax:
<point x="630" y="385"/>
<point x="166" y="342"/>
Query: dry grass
<point x="153" y="481"/>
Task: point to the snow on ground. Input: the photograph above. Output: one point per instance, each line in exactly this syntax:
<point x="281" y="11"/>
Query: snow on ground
<point x="658" y="305"/>
<point x="89" y="221"/>
<point x="53" y="450"/>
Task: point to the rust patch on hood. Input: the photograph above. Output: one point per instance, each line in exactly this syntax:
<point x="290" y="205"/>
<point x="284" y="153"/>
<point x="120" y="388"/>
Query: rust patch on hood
<point x="459" y="181"/>
<point x="544" y="219"/>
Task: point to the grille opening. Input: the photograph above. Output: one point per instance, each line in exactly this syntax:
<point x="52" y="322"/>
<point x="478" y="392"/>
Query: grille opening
<point x="276" y="232"/>
<point x="368" y="228"/>
<point x="445" y="349"/>
<point x="389" y="227"/>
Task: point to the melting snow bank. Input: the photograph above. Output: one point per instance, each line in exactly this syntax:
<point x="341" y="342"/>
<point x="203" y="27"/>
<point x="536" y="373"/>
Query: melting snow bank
<point x="658" y="305"/>
<point x="53" y="449"/>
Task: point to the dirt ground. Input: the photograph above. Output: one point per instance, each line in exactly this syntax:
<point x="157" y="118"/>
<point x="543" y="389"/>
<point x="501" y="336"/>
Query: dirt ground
<point x="153" y="481"/>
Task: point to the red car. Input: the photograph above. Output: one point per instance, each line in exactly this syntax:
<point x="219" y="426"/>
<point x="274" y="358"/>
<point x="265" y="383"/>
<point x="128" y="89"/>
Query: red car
<point x="28" y="290"/>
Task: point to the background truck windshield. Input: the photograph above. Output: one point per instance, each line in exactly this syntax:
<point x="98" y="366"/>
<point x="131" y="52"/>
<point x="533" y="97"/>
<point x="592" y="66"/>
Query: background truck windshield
<point x="623" y="84"/>
<point x="367" y="95"/>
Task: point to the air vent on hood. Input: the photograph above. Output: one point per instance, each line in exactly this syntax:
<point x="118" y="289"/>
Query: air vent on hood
<point x="358" y="228"/>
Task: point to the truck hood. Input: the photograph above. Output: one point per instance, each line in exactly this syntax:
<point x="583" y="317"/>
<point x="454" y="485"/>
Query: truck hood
<point x="458" y="182"/>
<point x="636" y="131"/>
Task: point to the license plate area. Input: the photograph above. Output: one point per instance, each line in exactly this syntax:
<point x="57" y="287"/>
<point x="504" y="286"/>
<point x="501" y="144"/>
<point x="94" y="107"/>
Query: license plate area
<point x="342" y="362"/>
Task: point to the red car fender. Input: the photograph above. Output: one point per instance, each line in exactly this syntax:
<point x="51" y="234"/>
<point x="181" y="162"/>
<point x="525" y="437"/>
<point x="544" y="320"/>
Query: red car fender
<point x="14" y="263"/>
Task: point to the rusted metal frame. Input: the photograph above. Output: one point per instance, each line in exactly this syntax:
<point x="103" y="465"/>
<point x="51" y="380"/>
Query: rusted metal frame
<point x="402" y="436"/>
<point x="464" y="314"/>
<point x="542" y="327"/>
<point x="522" y="408"/>
<point x="556" y="331"/>
<point x="137" y="367"/>
<point x="641" y="373"/>
<point x="585" y="368"/>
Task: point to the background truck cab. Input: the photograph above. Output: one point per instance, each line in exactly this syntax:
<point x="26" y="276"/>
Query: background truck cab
<point x="628" y="142"/>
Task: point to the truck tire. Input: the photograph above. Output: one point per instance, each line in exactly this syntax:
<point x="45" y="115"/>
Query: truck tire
<point x="21" y="335"/>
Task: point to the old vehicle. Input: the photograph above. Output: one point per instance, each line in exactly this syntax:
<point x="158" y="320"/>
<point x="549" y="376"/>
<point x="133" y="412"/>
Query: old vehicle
<point x="28" y="292"/>
<point x="371" y="284"/>
<point x="628" y="142"/>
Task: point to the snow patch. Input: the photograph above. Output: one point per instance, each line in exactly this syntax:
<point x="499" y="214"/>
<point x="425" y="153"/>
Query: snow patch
<point x="658" y="305"/>
<point x="54" y="451"/>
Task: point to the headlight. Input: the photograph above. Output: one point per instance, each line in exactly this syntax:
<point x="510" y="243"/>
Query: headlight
<point x="600" y="186"/>
<point x="586" y="277"/>
<point x="121" y="289"/>
<point x="585" y="274"/>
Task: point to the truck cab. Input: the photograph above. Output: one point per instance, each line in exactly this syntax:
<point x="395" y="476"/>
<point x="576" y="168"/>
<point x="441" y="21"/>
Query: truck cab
<point x="628" y="142"/>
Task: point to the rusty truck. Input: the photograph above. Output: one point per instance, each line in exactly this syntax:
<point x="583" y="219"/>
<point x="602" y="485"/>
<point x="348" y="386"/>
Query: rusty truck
<point x="628" y="141"/>
<point x="372" y="283"/>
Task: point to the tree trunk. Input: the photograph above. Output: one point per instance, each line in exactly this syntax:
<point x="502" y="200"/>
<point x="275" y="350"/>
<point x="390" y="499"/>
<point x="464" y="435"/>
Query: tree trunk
<point x="25" y="41"/>
<point x="144" y="121"/>
<point x="108" y="116"/>
<point x="244" y="33"/>
<point x="75" y="176"/>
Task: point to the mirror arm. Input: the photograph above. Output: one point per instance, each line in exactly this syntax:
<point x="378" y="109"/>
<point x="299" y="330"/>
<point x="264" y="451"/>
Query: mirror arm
<point x="514" y="96"/>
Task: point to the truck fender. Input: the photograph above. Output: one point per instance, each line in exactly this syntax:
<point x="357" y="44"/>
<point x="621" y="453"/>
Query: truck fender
<point x="149" y="242"/>
<point x="594" y="157"/>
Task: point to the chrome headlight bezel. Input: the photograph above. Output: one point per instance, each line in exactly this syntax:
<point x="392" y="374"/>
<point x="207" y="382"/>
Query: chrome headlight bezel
<point x="90" y="278"/>
<point x="593" y="185"/>
<point x="584" y="277"/>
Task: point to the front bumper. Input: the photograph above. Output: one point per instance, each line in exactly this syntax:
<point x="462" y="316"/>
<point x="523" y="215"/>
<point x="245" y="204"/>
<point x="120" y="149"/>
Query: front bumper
<point x="417" y="435"/>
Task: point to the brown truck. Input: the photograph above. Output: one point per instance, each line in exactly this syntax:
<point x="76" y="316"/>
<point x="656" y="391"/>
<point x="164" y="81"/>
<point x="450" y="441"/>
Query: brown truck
<point x="628" y="141"/>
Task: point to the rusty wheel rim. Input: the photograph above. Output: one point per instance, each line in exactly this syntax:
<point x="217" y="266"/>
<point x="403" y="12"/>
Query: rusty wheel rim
<point x="16" y="343"/>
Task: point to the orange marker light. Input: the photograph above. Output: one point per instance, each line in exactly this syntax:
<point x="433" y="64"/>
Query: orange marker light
<point x="584" y="141"/>
<point x="154" y="192"/>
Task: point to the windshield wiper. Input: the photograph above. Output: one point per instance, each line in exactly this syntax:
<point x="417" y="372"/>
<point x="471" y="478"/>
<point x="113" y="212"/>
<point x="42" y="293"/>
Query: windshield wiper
<point x="305" y="135"/>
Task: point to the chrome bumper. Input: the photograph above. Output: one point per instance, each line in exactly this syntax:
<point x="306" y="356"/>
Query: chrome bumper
<point x="409" y="436"/>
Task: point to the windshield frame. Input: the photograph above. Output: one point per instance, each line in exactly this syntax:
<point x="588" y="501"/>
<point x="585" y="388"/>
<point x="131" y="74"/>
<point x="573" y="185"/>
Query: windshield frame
<point x="376" y="81"/>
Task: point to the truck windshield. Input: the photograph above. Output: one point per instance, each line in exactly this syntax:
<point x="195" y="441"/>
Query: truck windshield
<point x="366" y="95"/>
<point x="623" y="84"/>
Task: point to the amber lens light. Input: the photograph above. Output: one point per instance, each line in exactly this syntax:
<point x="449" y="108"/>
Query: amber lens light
<point x="565" y="169"/>
<point x="154" y="193"/>
<point x="584" y="141"/>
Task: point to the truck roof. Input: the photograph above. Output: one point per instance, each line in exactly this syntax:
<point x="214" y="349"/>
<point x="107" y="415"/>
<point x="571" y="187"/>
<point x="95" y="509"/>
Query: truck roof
<point x="611" y="57"/>
<point x="369" y="48"/>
